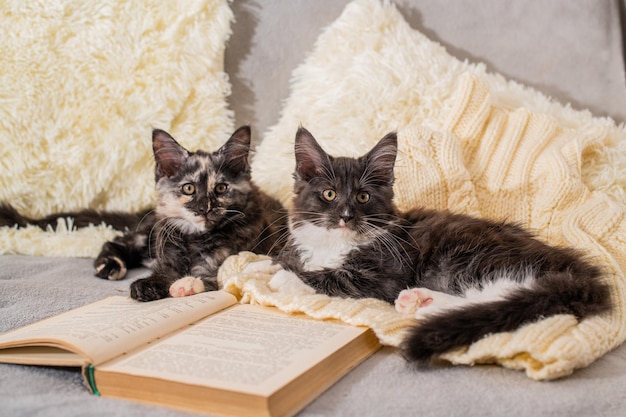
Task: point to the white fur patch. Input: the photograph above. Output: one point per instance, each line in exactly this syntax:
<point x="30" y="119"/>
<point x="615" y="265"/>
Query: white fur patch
<point x="323" y="248"/>
<point x="421" y="302"/>
<point x="140" y="241"/>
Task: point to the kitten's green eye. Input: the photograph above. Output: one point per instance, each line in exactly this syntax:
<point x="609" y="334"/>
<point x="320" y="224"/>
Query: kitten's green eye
<point x="363" y="197"/>
<point x="221" y="188"/>
<point x="189" y="189"/>
<point x="329" y="195"/>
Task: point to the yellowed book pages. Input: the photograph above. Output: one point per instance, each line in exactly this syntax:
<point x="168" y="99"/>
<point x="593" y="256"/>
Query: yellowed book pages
<point x="241" y="361"/>
<point x="203" y="353"/>
<point x="105" y="329"/>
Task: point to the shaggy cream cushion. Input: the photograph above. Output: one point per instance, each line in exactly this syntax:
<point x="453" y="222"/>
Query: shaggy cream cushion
<point x="82" y="86"/>
<point x="370" y="73"/>
<point x="471" y="142"/>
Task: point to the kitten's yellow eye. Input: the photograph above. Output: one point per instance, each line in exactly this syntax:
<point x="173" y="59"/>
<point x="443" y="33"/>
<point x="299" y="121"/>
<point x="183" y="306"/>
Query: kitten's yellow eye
<point x="363" y="197"/>
<point x="221" y="188"/>
<point x="329" y="195"/>
<point x="189" y="189"/>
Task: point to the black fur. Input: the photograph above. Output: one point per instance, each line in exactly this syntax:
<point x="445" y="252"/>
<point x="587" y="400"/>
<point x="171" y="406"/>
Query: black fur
<point x="437" y="250"/>
<point x="552" y="294"/>
<point x="457" y="252"/>
<point x="9" y="216"/>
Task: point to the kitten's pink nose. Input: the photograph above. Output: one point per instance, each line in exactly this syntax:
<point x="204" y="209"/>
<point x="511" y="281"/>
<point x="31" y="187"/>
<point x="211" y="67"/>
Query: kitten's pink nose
<point x="346" y="217"/>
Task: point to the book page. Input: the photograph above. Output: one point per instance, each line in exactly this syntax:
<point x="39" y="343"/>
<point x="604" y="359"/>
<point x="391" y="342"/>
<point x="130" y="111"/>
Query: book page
<point x="244" y="348"/>
<point x="110" y="327"/>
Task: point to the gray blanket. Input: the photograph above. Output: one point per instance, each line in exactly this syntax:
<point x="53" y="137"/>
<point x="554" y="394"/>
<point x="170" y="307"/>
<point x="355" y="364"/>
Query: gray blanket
<point x="32" y="288"/>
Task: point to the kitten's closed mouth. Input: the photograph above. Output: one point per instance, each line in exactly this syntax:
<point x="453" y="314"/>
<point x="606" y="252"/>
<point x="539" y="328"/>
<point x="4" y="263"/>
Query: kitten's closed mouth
<point x="344" y="227"/>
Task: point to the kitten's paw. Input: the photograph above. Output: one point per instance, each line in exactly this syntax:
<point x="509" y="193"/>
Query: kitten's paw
<point x="289" y="283"/>
<point x="186" y="286"/>
<point x="112" y="268"/>
<point x="148" y="289"/>
<point x="266" y="267"/>
<point x="411" y="300"/>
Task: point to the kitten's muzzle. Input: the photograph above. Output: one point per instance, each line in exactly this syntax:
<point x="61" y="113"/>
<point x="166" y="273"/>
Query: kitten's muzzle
<point x="204" y="208"/>
<point x="346" y="216"/>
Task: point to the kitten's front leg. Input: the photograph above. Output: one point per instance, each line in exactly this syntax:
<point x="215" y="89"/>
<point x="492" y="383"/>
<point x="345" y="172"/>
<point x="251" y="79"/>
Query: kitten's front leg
<point x="288" y="282"/>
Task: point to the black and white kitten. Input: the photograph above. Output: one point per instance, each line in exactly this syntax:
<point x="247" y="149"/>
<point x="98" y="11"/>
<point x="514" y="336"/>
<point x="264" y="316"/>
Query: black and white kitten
<point x="462" y="277"/>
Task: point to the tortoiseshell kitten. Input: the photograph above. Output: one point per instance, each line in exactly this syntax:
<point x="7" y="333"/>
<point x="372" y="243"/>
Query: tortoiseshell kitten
<point x="207" y="209"/>
<point x="462" y="277"/>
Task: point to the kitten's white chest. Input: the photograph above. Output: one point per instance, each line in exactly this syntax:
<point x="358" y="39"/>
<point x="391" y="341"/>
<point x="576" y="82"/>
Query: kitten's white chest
<point x="321" y="247"/>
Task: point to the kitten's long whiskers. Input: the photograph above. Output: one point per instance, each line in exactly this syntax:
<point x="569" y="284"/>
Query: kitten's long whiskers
<point x="391" y="241"/>
<point x="329" y="173"/>
<point x="280" y="240"/>
<point x="238" y="218"/>
<point x="279" y="220"/>
<point x="381" y="238"/>
<point x="157" y="227"/>
<point x="396" y="222"/>
<point x="143" y="218"/>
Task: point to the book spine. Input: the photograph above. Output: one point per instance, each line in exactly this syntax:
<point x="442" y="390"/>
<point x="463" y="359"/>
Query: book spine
<point x="88" y="375"/>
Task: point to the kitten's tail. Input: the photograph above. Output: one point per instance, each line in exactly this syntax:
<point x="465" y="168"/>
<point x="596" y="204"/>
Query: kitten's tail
<point x="122" y="221"/>
<point x="552" y="294"/>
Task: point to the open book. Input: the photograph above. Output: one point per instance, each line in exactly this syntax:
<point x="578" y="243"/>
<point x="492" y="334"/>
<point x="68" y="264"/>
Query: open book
<point x="203" y="353"/>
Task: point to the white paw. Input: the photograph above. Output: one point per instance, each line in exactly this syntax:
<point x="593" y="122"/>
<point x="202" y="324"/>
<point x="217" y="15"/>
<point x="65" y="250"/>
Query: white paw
<point x="289" y="283"/>
<point x="411" y="300"/>
<point x="186" y="286"/>
<point x="265" y="267"/>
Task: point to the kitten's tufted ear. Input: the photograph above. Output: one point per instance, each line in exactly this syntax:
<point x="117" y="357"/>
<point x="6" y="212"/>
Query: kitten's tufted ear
<point x="310" y="157"/>
<point x="382" y="158"/>
<point x="169" y="155"/>
<point x="237" y="148"/>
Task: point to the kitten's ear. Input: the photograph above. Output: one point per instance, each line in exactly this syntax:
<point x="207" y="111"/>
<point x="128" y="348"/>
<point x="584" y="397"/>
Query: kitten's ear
<point x="310" y="157"/>
<point x="382" y="158"/>
<point x="169" y="155"/>
<point x="237" y="148"/>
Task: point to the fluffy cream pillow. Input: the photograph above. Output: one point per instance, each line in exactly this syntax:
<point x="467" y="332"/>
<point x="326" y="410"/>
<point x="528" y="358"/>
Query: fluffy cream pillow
<point x="84" y="83"/>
